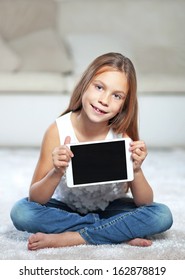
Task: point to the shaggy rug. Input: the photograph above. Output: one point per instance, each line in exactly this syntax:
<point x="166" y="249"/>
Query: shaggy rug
<point x="165" y="170"/>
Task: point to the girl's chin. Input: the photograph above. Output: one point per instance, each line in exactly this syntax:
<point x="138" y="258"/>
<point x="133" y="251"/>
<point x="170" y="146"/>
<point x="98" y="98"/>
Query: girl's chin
<point x="98" y="120"/>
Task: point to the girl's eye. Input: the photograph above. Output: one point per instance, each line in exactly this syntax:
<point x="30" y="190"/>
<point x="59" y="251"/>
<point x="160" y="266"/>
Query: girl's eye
<point x="98" y="87"/>
<point x="118" y="96"/>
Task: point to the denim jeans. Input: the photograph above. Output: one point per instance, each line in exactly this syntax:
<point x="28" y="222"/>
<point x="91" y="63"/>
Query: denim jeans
<point x="121" y="221"/>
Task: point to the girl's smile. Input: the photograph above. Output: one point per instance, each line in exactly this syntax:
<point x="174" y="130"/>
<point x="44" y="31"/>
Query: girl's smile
<point x="99" y="111"/>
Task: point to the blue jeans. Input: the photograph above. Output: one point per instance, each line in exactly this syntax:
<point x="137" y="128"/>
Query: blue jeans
<point x="121" y="221"/>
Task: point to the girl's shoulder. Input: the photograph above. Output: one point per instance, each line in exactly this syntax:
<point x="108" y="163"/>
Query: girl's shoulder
<point x="51" y="136"/>
<point x="52" y="130"/>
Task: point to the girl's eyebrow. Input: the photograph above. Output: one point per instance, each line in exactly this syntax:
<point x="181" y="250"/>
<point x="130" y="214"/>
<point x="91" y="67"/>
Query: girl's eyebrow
<point x="116" y="91"/>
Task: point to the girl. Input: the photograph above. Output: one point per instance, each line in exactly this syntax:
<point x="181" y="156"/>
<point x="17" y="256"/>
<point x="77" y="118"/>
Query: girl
<point x="103" y="106"/>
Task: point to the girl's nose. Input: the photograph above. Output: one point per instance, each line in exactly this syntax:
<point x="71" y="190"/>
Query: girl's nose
<point x="103" y="99"/>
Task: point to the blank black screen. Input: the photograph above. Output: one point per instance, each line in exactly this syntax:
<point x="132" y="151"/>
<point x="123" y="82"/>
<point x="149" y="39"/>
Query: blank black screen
<point x="99" y="162"/>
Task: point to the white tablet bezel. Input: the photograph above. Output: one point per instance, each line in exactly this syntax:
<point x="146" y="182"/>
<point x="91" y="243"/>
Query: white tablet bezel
<point x="129" y="164"/>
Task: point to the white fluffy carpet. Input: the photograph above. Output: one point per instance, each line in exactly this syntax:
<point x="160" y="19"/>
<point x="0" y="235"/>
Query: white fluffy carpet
<point x="165" y="169"/>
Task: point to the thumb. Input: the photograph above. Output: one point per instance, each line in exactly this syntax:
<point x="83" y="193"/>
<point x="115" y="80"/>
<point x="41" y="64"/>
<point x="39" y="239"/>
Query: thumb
<point x="67" y="140"/>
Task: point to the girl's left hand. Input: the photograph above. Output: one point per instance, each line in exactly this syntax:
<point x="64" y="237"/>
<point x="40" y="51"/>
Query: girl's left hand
<point x="139" y="153"/>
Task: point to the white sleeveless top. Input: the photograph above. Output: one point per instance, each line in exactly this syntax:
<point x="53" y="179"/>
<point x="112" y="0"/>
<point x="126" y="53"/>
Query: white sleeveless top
<point x="85" y="199"/>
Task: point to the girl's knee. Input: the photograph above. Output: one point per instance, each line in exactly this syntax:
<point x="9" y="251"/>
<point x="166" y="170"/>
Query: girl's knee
<point x="20" y="214"/>
<point x="165" y="218"/>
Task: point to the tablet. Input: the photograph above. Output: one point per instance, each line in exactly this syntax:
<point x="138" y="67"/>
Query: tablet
<point x="100" y="162"/>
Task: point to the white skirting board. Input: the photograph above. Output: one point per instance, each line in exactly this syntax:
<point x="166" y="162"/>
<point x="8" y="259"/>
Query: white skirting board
<point x="162" y="120"/>
<point x="24" y="118"/>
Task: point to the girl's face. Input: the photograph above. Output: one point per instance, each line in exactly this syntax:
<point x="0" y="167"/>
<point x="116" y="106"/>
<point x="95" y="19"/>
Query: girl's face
<point x="105" y="96"/>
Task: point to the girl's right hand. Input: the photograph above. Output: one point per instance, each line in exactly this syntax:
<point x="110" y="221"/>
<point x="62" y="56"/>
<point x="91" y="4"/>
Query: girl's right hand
<point x="61" y="156"/>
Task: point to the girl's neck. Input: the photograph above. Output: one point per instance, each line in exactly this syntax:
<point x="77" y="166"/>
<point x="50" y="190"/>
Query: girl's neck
<point x="86" y="130"/>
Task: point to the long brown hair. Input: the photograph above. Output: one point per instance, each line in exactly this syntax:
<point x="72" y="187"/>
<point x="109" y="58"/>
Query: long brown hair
<point x="127" y="119"/>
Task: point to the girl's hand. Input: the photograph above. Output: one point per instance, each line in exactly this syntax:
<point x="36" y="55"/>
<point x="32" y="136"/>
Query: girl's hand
<point x="139" y="153"/>
<point x="61" y="156"/>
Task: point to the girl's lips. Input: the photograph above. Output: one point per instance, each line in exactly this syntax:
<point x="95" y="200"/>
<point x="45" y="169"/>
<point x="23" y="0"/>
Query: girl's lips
<point x="98" y="110"/>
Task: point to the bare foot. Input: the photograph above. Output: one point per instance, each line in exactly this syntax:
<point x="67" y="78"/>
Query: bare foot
<point x="140" y="242"/>
<point x="41" y="240"/>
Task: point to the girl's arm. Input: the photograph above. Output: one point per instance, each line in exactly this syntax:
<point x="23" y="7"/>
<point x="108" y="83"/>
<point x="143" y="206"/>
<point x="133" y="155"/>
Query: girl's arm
<point x="51" y="166"/>
<point x="140" y="188"/>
